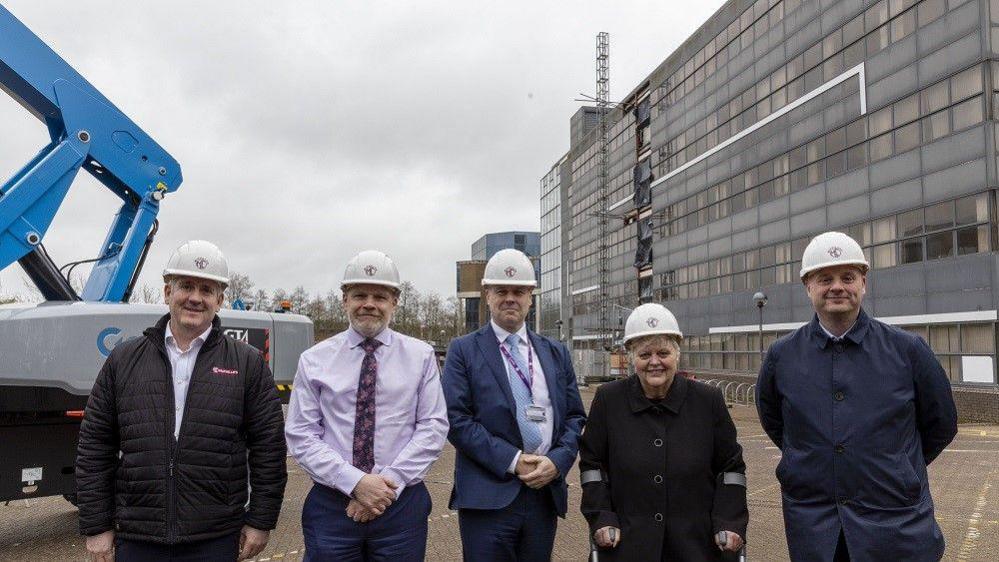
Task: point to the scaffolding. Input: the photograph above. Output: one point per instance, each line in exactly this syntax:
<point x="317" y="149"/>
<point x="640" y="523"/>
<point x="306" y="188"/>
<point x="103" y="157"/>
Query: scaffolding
<point x="603" y="105"/>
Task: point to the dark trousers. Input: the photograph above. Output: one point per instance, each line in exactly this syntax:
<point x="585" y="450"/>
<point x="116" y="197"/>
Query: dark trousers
<point x="398" y="535"/>
<point x="222" y="549"/>
<point x="523" y="531"/>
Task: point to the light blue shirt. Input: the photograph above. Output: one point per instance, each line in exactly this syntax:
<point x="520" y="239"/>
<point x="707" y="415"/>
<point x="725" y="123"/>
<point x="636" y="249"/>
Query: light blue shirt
<point x="539" y="387"/>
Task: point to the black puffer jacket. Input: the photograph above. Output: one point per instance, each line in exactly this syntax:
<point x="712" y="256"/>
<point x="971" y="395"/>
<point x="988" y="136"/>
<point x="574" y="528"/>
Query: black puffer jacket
<point x="193" y="488"/>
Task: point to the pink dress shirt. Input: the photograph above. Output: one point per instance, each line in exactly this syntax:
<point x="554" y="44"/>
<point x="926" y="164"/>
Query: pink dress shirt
<point x="410" y="414"/>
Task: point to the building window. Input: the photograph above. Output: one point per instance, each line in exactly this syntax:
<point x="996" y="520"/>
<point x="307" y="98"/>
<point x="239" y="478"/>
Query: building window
<point x="943" y="230"/>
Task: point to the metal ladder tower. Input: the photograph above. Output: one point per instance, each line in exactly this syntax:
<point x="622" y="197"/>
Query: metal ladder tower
<point x="603" y="105"/>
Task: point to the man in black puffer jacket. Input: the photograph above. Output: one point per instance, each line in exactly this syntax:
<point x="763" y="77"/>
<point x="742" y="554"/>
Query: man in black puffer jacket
<point x="178" y="422"/>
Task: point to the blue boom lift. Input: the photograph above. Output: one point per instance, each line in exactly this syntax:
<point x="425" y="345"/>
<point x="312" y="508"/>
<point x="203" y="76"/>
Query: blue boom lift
<point x="50" y="353"/>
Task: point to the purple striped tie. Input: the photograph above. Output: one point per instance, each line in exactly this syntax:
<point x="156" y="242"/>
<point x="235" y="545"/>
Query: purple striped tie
<point x="364" y="417"/>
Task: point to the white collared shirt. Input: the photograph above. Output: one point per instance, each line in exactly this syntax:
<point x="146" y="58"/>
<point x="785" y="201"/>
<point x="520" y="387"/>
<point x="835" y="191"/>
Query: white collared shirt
<point x="539" y="386"/>
<point x="181" y="368"/>
<point x="837" y="338"/>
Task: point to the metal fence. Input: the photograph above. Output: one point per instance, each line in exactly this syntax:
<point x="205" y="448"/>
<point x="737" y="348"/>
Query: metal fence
<point x="741" y="393"/>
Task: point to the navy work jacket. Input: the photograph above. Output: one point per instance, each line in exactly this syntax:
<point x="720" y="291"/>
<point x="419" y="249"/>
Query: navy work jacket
<point x="857" y="421"/>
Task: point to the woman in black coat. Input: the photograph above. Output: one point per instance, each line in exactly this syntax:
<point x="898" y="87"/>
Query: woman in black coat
<point x="662" y="474"/>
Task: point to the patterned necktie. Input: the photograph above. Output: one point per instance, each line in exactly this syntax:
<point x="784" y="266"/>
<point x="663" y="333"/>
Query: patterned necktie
<point x="529" y="430"/>
<point x="364" y="417"/>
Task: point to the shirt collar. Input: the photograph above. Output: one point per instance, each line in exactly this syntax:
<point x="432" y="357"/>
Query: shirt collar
<point x="673" y="401"/>
<point x="355" y="338"/>
<point x="169" y="340"/>
<point x="834" y="337"/>
<point x="855" y="334"/>
<point x="502" y="334"/>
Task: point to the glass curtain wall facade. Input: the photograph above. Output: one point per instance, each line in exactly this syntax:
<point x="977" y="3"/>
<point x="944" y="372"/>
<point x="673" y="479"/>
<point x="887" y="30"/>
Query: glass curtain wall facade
<point x="550" y="301"/>
<point x="781" y="119"/>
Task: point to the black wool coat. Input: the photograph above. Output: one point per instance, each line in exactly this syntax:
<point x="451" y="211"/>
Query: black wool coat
<point x="662" y="467"/>
<point x="133" y="477"/>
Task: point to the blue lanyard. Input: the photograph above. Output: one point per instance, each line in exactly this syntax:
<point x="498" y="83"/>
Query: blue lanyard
<point x="530" y="367"/>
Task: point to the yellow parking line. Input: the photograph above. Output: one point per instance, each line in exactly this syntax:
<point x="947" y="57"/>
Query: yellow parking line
<point x="978" y="432"/>
<point x="278" y="555"/>
<point x="970" y="543"/>
<point x="763" y="489"/>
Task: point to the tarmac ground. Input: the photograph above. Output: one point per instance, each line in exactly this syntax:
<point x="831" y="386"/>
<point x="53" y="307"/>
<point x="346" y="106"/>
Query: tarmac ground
<point x="964" y="482"/>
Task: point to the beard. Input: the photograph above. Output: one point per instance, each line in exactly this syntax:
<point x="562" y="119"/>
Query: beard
<point x="369" y="326"/>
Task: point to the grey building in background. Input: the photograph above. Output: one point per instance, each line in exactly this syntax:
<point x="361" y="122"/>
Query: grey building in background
<point x="468" y="278"/>
<point x="551" y="302"/>
<point x="489" y="244"/>
<point x="775" y="121"/>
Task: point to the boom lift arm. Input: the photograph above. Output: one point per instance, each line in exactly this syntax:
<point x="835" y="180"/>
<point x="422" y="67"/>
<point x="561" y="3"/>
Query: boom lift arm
<point x="87" y="131"/>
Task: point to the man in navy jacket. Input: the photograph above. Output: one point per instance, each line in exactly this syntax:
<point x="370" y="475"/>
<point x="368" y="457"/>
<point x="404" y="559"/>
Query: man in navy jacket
<point x="859" y="409"/>
<point x="515" y="416"/>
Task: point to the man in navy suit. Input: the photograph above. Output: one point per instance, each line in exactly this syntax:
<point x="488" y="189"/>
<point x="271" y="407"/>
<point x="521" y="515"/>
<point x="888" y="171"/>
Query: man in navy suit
<point x="515" y="417"/>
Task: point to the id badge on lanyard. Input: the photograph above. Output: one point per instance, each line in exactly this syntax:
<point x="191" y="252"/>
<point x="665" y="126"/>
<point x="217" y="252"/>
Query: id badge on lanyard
<point x="535" y="413"/>
<point x="532" y="411"/>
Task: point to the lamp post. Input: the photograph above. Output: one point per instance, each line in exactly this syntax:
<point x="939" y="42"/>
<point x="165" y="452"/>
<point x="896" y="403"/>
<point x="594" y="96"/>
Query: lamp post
<point x="761" y="300"/>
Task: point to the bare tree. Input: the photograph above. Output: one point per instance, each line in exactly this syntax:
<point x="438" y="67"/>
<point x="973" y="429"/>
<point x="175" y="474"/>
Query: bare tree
<point x="147" y="294"/>
<point x="261" y="300"/>
<point x="240" y="288"/>
<point x="299" y="298"/>
<point x="280" y="295"/>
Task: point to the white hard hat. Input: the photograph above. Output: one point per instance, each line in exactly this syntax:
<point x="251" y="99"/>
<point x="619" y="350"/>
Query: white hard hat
<point x="509" y="267"/>
<point x="371" y="267"/>
<point x="651" y="319"/>
<point x="198" y="258"/>
<point x="830" y="249"/>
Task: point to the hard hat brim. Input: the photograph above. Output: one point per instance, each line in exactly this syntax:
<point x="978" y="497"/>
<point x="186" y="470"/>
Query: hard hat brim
<point x="185" y="273"/>
<point x="860" y="263"/>
<point x="632" y="337"/>
<point x="511" y="282"/>
<point x="348" y="283"/>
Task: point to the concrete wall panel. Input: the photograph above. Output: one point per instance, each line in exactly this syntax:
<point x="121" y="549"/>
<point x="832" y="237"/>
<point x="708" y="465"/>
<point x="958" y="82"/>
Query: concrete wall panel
<point x="951" y="182"/>
<point x="849" y="211"/>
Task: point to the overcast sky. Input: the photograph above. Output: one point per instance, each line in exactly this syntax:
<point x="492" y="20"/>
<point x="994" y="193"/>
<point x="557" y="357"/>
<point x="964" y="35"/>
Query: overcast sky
<point x="308" y="131"/>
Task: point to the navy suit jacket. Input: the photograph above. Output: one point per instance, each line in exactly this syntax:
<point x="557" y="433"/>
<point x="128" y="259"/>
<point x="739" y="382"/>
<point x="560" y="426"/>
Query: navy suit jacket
<point x="484" y="430"/>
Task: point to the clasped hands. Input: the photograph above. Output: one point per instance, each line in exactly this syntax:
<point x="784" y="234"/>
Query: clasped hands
<point x="372" y="495"/>
<point x="535" y="470"/>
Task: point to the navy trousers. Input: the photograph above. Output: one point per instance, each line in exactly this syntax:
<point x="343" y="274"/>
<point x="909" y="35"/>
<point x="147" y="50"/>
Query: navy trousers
<point x="523" y="531"/>
<point x="398" y="535"/>
<point x="222" y="549"/>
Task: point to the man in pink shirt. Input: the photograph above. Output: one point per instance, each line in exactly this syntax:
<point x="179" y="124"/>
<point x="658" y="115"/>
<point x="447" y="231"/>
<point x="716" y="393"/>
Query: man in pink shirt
<point x="366" y="420"/>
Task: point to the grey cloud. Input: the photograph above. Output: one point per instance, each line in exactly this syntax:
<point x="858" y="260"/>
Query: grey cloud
<point x="308" y="131"/>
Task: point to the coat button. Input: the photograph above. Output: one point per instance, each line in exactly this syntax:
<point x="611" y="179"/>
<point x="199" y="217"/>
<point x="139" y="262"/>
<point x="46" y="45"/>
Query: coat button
<point x="659" y="517"/>
<point x="840" y="448"/>
<point x="839" y="348"/>
<point x="839" y="396"/>
<point x="658" y="479"/>
<point x="843" y="501"/>
<point x="658" y="442"/>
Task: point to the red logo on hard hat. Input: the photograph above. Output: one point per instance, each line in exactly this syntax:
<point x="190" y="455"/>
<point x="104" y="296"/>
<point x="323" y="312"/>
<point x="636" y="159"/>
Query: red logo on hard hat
<point x="652" y="322"/>
<point x="201" y="263"/>
<point x="370" y="270"/>
<point x="510" y="271"/>
<point x="835" y="251"/>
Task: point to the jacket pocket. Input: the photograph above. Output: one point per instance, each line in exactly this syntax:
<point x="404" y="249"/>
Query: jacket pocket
<point x="911" y="484"/>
